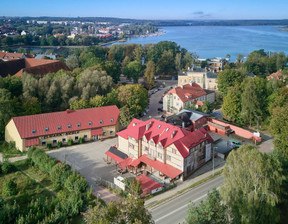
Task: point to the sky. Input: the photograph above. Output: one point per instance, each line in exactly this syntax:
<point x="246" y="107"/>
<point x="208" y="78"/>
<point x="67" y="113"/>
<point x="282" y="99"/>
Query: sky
<point x="149" y="9"/>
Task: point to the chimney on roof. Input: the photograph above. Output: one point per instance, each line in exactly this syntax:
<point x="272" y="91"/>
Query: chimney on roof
<point x="173" y="134"/>
<point x="149" y="125"/>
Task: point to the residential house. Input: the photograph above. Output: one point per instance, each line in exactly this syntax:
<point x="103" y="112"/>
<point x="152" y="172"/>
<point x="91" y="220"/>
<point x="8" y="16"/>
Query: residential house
<point x="277" y="75"/>
<point x="163" y="149"/>
<point x="37" y="67"/>
<point x="204" y="78"/>
<point x="51" y="128"/>
<point x="185" y="96"/>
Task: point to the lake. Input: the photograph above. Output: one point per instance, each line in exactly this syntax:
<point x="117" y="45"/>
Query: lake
<point x="218" y="41"/>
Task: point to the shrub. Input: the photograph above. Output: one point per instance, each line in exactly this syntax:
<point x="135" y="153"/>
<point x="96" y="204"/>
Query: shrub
<point x="49" y="146"/>
<point x="8" y="167"/>
<point x="59" y="144"/>
<point x="31" y="151"/>
<point x="59" y="174"/>
<point x="43" y="161"/>
<point x="70" y="142"/>
<point x="0" y="168"/>
<point x="12" y="145"/>
<point x="81" y="140"/>
<point x="76" y="183"/>
<point x="9" y="188"/>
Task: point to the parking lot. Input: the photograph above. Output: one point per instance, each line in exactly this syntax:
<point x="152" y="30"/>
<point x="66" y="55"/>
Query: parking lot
<point x="88" y="159"/>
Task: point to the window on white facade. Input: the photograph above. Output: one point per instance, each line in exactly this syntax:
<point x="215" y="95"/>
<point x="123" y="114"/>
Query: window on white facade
<point x="131" y="145"/>
<point x="54" y="141"/>
<point x="174" y="151"/>
<point x="168" y="158"/>
<point x="111" y="132"/>
<point x="76" y="138"/>
<point x="43" y="143"/>
<point x="146" y="149"/>
<point x="159" y="155"/>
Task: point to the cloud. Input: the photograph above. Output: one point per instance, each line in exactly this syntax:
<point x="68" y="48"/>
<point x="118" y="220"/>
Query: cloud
<point x="198" y="13"/>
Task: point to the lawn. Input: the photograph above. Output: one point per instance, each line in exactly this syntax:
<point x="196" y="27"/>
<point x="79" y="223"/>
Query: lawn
<point x="27" y="187"/>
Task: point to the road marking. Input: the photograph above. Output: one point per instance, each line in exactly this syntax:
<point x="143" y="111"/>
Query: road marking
<point x="178" y="209"/>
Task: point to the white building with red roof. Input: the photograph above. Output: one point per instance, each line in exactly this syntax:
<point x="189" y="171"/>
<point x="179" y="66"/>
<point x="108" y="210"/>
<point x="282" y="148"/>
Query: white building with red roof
<point x="163" y="149"/>
<point x="185" y="96"/>
<point x="51" y="128"/>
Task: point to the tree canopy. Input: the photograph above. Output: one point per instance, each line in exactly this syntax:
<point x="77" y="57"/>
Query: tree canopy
<point x="252" y="186"/>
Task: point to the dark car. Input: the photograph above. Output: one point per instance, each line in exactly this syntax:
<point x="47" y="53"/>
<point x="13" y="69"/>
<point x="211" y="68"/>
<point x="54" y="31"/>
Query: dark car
<point x="161" y="101"/>
<point x="160" y="109"/>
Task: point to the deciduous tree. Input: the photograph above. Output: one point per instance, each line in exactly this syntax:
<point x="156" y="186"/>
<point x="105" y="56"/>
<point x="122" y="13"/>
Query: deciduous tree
<point x="149" y="75"/>
<point x="252" y="186"/>
<point x="211" y="210"/>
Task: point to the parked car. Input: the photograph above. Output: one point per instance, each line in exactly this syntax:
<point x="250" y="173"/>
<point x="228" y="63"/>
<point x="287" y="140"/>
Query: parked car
<point x="235" y="143"/>
<point x="160" y="109"/>
<point x="161" y="101"/>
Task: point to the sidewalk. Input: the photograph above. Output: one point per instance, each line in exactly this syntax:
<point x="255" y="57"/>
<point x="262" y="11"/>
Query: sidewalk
<point x="12" y="159"/>
<point x="200" y="174"/>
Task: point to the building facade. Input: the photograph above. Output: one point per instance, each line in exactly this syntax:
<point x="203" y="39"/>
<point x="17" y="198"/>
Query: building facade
<point x="41" y="129"/>
<point x="186" y="96"/>
<point x="205" y="79"/>
<point x="169" y="151"/>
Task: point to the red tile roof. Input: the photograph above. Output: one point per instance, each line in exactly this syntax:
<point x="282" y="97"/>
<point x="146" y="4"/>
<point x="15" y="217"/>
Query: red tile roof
<point x="98" y="116"/>
<point x="166" y="169"/>
<point x="33" y="66"/>
<point x="31" y="142"/>
<point x="115" y="157"/>
<point x="188" y="92"/>
<point x="95" y="132"/>
<point x="147" y="184"/>
<point x="41" y="67"/>
<point x="277" y="75"/>
<point x="165" y="134"/>
<point x="129" y="162"/>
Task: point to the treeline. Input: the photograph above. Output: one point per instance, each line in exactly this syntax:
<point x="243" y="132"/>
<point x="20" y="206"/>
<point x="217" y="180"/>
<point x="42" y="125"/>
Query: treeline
<point x="50" y="40"/>
<point x="247" y="98"/>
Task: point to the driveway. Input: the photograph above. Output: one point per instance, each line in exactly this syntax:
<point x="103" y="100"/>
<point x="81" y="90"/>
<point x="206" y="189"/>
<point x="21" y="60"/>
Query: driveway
<point x="154" y="100"/>
<point x="88" y="159"/>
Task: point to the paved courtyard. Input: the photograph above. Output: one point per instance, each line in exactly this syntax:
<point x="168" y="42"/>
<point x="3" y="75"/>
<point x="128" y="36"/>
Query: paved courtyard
<point x="88" y="159"/>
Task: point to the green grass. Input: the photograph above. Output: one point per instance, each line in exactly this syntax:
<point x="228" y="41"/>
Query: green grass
<point x="27" y="187"/>
<point x="7" y="152"/>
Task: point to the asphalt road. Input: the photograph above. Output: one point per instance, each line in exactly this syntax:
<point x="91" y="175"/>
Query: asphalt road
<point x="175" y="211"/>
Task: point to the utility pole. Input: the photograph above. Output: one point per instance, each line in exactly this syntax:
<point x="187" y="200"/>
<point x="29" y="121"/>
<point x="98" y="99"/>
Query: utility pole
<point x="213" y="159"/>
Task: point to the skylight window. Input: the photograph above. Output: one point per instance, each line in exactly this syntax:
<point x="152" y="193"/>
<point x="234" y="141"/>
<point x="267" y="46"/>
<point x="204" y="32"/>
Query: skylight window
<point x="159" y="126"/>
<point x="78" y="125"/>
<point x="59" y="127"/>
<point x="111" y="120"/>
<point x="167" y="129"/>
<point x="101" y="122"/>
<point x="69" y="125"/>
<point x="33" y="131"/>
<point x="90" y="123"/>
<point x="46" y="129"/>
